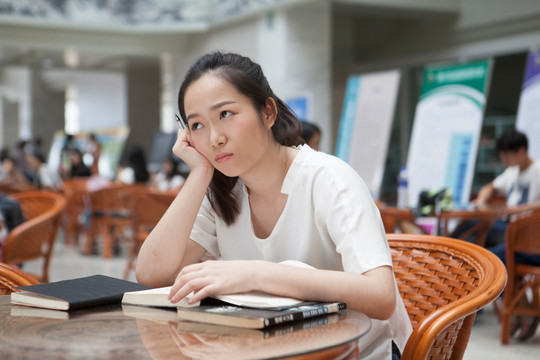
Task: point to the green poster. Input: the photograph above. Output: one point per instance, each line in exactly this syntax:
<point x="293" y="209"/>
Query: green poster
<point x="446" y="130"/>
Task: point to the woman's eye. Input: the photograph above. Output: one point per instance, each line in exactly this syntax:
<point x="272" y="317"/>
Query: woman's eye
<point x="225" y="114"/>
<point x="196" y="126"/>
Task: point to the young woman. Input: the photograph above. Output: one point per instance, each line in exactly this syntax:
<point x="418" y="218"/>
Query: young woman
<point x="169" y="177"/>
<point x="133" y="169"/>
<point x="256" y="196"/>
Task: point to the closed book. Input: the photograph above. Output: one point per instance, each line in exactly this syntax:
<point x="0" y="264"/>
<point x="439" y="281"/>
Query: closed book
<point x="75" y="293"/>
<point x="224" y="314"/>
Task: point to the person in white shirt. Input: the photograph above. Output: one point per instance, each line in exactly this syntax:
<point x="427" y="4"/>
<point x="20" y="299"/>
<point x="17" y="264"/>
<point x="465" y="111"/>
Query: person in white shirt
<point x="42" y="176"/>
<point x="255" y="196"/>
<point x="169" y="177"/>
<point x="519" y="183"/>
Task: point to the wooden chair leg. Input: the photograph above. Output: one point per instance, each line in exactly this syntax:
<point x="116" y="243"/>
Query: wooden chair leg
<point x="107" y="242"/>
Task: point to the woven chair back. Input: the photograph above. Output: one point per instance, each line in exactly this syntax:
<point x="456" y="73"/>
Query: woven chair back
<point x="443" y="282"/>
<point x="34" y="238"/>
<point x="11" y="277"/>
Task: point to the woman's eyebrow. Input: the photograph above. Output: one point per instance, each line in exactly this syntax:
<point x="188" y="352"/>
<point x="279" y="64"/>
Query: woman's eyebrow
<point x="212" y="108"/>
<point x="191" y="116"/>
<point x="220" y="104"/>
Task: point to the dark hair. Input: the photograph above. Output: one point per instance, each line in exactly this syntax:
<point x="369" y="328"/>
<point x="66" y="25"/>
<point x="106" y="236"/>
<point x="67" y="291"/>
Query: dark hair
<point x="4" y="154"/>
<point x="137" y="161"/>
<point x="38" y="155"/>
<point x="308" y="130"/>
<point x="248" y="78"/>
<point x="174" y="168"/>
<point x="512" y="140"/>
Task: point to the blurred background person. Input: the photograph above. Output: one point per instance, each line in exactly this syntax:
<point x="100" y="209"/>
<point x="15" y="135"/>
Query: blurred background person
<point x="133" y="169"/>
<point x="92" y="153"/>
<point x="10" y="175"/>
<point x="311" y="133"/>
<point x="42" y="176"/>
<point x="169" y="177"/>
<point x="77" y="166"/>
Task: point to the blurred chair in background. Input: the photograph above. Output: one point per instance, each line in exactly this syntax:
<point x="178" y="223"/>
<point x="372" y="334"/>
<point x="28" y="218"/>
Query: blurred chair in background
<point x="522" y="294"/>
<point x="35" y="238"/>
<point x="111" y="213"/>
<point x="148" y="210"/>
<point x="399" y="220"/>
<point x="75" y="191"/>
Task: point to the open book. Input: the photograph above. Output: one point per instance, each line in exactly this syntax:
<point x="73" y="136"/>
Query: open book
<point x="159" y="297"/>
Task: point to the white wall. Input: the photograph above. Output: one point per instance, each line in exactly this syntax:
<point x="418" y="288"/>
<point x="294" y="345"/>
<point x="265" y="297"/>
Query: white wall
<point x="16" y="86"/>
<point x="101" y="96"/>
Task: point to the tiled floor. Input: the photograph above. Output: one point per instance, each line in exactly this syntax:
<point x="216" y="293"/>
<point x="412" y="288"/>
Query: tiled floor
<point x="67" y="262"/>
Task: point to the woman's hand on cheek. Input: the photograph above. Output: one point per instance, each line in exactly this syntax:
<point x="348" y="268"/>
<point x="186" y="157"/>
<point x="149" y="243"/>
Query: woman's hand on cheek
<point x="212" y="278"/>
<point x="184" y="149"/>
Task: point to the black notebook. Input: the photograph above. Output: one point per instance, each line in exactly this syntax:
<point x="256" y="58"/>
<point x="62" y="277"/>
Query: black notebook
<point x="75" y="293"/>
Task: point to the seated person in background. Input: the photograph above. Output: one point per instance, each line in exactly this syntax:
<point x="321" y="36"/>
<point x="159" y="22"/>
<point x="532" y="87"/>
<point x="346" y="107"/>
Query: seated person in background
<point x="77" y="167"/>
<point x="311" y="134"/>
<point x="94" y="150"/>
<point x="42" y="176"/>
<point x="519" y="183"/>
<point x="133" y="169"/>
<point x="168" y="178"/>
<point x="256" y="196"/>
<point x="10" y="175"/>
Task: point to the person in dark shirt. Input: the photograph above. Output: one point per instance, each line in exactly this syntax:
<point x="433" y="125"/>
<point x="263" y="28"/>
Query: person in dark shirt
<point x="78" y="168"/>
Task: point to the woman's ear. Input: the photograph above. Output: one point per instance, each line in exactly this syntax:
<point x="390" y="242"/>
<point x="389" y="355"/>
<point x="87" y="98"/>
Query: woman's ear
<point x="269" y="113"/>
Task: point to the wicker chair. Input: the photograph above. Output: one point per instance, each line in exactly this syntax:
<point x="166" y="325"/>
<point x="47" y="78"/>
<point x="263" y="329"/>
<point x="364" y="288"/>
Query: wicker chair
<point x="111" y="209"/>
<point x="399" y="220"/>
<point x="148" y="210"/>
<point x="11" y="277"/>
<point x="522" y="235"/>
<point x="12" y="189"/>
<point x="34" y="239"/>
<point x="74" y="190"/>
<point x="443" y="283"/>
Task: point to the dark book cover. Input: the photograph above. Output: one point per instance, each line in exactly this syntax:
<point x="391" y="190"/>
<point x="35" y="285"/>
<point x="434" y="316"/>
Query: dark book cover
<point x="76" y="293"/>
<point x="256" y="318"/>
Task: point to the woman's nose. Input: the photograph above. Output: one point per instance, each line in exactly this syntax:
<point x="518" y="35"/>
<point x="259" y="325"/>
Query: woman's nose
<point x="218" y="137"/>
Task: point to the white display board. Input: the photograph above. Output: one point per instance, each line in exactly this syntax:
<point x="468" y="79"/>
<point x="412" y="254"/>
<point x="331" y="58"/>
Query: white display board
<point x="366" y="122"/>
<point x="446" y="130"/>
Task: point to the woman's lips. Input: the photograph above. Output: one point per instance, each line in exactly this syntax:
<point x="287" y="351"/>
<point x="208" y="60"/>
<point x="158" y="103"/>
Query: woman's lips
<point x="221" y="158"/>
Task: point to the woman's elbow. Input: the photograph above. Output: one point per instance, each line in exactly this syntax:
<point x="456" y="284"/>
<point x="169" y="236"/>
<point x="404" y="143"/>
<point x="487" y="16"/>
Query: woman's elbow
<point x="386" y="307"/>
<point x="386" y="304"/>
<point x="143" y="277"/>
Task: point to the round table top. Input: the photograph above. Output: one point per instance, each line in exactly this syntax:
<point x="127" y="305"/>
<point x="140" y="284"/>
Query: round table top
<point x="135" y="332"/>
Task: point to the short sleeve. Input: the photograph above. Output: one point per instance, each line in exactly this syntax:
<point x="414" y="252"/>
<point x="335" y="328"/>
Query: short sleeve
<point x="502" y="182"/>
<point x="204" y="229"/>
<point x="352" y="219"/>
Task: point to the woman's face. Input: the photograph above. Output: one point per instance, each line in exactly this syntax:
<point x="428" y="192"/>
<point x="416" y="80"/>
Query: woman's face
<point x="225" y="126"/>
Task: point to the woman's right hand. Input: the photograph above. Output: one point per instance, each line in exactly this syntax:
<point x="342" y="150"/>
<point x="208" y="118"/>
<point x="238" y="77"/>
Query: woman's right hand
<point x="184" y="149"/>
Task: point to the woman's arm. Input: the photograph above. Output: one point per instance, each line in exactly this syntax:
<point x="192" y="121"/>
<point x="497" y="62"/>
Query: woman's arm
<point x="373" y="292"/>
<point x="168" y="248"/>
